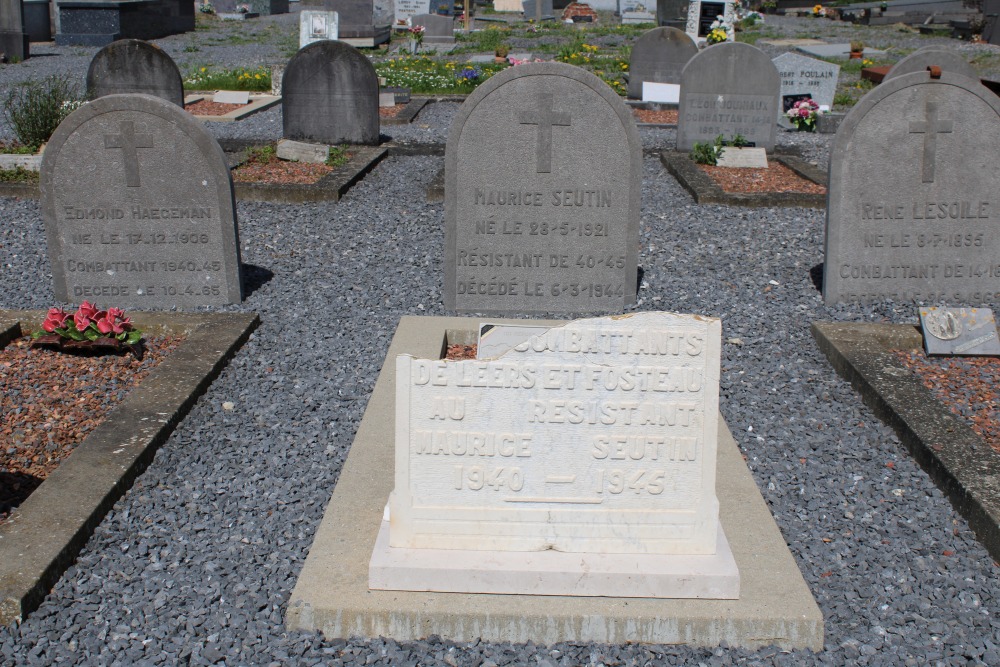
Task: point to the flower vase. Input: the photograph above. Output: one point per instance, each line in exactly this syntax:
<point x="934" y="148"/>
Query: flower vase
<point x="414" y="46"/>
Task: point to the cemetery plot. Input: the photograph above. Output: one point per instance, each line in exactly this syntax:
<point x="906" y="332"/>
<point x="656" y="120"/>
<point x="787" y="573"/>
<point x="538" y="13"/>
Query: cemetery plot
<point x="402" y="114"/>
<point x="259" y="175"/>
<point x="655" y="117"/>
<point x="886" y="365"/>
<point x="787" y="181"/>
<point x="205" y="108"/>
<point x="48" y="530"/>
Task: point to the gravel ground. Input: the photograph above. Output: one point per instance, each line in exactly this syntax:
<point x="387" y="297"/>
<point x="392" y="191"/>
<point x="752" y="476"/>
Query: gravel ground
<point x="195" y="565"/>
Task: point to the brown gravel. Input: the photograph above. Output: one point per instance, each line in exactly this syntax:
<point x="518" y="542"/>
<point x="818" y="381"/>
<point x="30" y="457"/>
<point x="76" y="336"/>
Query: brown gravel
<point x="390" y="112"/>
<point x="968" y="386"/>
<point x="210" y="108"/>
<point x="50" y="401"/>
<point x="459" y="352"/>
<point x="667" y="116"/>
<point x="776" y="178"/>
<point x="281" y="172"/>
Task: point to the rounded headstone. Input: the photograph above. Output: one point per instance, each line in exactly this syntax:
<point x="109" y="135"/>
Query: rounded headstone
<point x="543" y="173"/>
<point x="138" y="205"/>
<point x="659" y="56"/>
<point x="134" y="66"/>
<point x="330" y="95"/>
<point x="730" y="88"/>
<point x="921" y="59"/>
<point x="913" y="210"/>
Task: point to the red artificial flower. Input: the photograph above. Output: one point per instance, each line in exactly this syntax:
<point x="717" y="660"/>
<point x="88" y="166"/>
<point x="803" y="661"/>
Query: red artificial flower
<point x="56" y="319"/>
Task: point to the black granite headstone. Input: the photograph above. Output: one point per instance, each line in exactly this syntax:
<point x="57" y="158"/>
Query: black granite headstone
<point x="330" y="95"/>
<point x="134" y="66"/>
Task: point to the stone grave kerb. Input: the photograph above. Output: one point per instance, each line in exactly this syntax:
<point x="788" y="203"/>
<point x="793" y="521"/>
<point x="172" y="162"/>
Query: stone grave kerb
<point x="194" y="129"/>
<point x="921" y="158"/>
<point x="921" y="59"/>
<point x="107" y="62"/>
<point x="480" y="94"/>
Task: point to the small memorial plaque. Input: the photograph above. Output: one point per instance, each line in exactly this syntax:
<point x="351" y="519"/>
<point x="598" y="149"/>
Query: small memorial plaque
<point x="232" y="97"/>
<point x="317" y="25"/>
<point x="744" y="158"/>
<point x="595" y="437"/>
<point x="959" y="331"/>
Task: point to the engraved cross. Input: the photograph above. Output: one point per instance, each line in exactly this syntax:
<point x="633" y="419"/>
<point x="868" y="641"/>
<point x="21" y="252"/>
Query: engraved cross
<point x="930" y="128"/>
<point x="545" y="118"/>
<point x="128" y="141"/>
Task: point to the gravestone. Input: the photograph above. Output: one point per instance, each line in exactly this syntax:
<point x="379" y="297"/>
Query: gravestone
<point x="13" y="38"/>
<point x="728" y="89"/>
<point x="702" y="14"/>
<point x="913" y="207"/>
<point x="406" y="9"/>
<point x="330" y="96"/>
<point x="659" y="56"/>
<point x="437" y="29"/>
<point x="317" y="25"/>
<point x="538" y="215"/>
<point x="363" y="22"/>
<point x="921" y="59"/>
<point x="134" y="66"/>
<point x="138" y="208"/>
<point x="598" y="438"/>
<point x="669" y="12"/>
<point x="536" y="10"/>
<point x="803" y="77"/>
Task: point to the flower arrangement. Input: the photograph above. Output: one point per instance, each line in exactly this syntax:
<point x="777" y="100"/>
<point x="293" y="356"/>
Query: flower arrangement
<point x="718" y="32"/>
<point x="803" y="115"/>
<point x="469" y="75"/>
<point x="89" y="327"/>
<point x="416" y="33"/>
<point x="243" y="8"/>
<point x="206" y="8"/>
<point x="818" y="10"/>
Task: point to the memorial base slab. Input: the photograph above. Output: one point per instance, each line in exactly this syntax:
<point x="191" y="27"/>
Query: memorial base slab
<point x="554" y="572"/>
<point x="332" y="595"/>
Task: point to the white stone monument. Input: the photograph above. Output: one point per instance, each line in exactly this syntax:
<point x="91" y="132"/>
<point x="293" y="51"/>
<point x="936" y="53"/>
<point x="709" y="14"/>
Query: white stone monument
<point x="702" y="13"/>
<point x="317" y="25"/>
<point x="581" y="462"/>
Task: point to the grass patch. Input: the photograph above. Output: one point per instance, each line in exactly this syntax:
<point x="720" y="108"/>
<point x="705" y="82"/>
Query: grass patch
<point x="18" y="175"/>
<point x="338" y="156"/>
<point x="253" y="80"/>
<point x="422" y="75"/>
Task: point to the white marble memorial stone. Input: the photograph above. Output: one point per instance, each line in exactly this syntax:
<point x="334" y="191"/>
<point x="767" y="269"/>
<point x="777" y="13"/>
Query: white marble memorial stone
<point x="405" y="9"/>
<point x="595" y="437"/>
<point x="803" y="77"/>
<point x="316" y="25"/>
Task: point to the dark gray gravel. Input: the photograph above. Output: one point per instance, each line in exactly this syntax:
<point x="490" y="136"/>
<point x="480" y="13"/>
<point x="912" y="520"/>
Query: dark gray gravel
<point x="196" y="563"/>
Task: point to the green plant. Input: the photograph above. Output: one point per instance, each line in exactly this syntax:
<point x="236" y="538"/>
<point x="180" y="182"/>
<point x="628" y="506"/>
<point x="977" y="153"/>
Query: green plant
<point x="423" y="75"/>
<point x="857" y="46"/>
<point x="203" y="78"/>
<point x="338" y="156"/>
<point x="35" y="108"/>
<point x="90" y="323"/>
<point x="260" y="154"/>
<point x="738" y="141"/>
<point x="707" y="153"/>
<point x="501" y="51"/>
<point x="18" y="175"/>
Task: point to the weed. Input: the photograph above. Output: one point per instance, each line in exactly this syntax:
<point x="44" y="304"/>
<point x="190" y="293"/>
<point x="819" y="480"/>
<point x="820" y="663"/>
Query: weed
<point x="35" y="108"/>
<point x="18" y="175"/>
<point x="338" y="156"/>
<point x="203" y="78"/>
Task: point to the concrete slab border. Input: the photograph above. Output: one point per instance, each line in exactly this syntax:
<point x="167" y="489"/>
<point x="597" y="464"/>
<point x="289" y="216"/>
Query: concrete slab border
<point x="962" y="465"/>
<point x="257" y="103"/>
<point x="43" y="536"/>
<point x="407" y="113"/>
<point x="705" y="191"/>
<point x="329" y="188"/>
<point x="332" y="594"/>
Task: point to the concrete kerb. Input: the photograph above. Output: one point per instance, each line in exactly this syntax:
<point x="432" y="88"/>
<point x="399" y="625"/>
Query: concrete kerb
<point x="706" y="191"/>
<point x="962" y="465"/>
<point x="43" y="536"/>
<point x="257" y="103"/>
<point x="408" y="112"/>
<point x="332" y="595"/>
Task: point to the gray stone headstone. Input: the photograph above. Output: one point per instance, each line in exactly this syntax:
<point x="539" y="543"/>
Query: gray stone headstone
<point x="803" y="77"/>
<point x="317" y="25"/>
<point x="134" y="66"/>
<point x="913" y="206"/>
<point x="138" y="208"/>
<point x="670" y="10"/>
<point x="405" y="9"/>
<point x="728" y="89"/>
<point x="540" y="216"/>
<point x="363" y="22"/>
<point x="13" y="39"/>
<point x="535" y="10"/>
<point x="437" y="29"/>
<point x="330" y="96"/>
<point x="921" y="59"/>
<point x="659" y="56"/>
